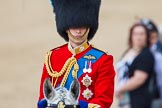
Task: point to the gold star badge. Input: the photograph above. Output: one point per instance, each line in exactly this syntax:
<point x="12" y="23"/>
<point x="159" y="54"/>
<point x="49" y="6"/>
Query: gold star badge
<point x="87" y="81"/>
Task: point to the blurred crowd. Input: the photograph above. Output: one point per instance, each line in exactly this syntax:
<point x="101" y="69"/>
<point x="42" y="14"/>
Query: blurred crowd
<point x="139" y="70"/>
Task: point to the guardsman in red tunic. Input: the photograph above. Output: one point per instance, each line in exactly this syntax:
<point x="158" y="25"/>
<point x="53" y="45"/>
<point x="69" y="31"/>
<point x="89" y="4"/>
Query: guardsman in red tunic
<point x="77" y="23"/>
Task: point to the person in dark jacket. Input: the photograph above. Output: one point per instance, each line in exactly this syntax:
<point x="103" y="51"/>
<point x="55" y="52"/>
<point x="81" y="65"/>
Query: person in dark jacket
<point x="156" y="49"/>
<point x="140" y="63"/>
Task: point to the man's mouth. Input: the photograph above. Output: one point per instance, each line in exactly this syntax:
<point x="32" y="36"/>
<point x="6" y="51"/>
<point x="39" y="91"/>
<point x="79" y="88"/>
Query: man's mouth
<point x="78" y="36"/>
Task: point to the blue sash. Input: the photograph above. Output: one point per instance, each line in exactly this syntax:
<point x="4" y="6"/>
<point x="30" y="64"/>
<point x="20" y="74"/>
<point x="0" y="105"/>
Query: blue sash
<point x="81" y="62"/>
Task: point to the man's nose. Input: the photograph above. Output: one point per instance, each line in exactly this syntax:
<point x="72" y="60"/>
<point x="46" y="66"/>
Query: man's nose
<point x="78" y="31"/>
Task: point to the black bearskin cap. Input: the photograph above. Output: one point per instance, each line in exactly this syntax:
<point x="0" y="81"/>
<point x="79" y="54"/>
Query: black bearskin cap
<point x="76" y="13"/>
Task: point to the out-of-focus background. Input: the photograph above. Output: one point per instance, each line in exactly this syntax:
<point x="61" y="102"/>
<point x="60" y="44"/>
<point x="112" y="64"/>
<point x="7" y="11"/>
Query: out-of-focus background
<point x="27" y="31"/>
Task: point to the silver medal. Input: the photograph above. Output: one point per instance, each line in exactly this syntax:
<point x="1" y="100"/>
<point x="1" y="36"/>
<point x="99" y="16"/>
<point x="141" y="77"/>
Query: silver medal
<point x="85" y="67"/>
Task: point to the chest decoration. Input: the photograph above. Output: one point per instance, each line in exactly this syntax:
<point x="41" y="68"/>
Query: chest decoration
<point x="87" y="81"/>
<point x="87" y="93"/>
<point x="89" y="57"/>
<point x="71" y="63"/>
<point x="75" y="68"/>
<point x="89" y="69"/>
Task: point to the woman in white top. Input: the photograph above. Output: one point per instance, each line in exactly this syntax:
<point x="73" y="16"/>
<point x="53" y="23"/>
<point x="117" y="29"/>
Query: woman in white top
<point x="134" y="70"/>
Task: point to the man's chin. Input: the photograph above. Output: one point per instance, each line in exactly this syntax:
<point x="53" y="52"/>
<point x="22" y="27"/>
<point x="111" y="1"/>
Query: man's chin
<point x="78" y="42"/>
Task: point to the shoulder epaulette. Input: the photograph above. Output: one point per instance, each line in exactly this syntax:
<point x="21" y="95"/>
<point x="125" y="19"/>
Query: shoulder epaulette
<point x="58" y="47"/>
<point x="99" y="49"/>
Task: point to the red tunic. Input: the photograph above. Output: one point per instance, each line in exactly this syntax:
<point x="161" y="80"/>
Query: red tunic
<point x="102" y="76"/>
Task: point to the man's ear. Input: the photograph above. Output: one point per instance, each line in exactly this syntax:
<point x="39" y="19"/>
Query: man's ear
<point x="75" y="89"/>
<point x="49" y="92"/>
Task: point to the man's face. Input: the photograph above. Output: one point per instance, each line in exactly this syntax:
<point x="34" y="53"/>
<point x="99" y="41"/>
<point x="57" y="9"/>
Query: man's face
<point x="153" y="38"/>
<point x="78" y="35"/>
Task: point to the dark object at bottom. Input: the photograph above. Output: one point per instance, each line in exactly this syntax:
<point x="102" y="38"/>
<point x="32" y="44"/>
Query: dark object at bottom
<point x="66" y="106"/>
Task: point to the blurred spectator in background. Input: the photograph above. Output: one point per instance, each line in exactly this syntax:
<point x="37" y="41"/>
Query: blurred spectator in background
<point x="154" y="34"/>
<point x="156" y="48"/>
<point x="134" y="70"/>
<point x="160" y="31"/>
